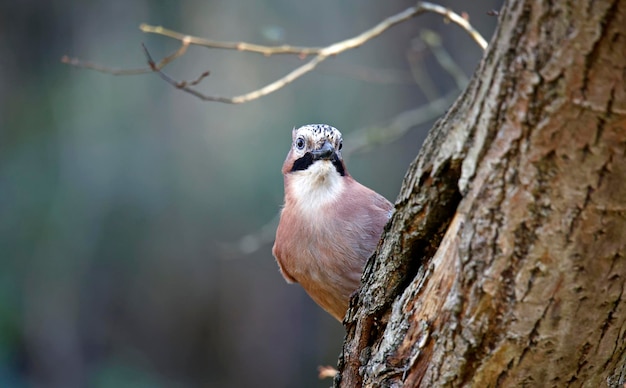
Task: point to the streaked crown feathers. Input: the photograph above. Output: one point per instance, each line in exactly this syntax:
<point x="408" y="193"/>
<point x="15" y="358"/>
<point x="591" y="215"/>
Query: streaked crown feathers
<point x="316" y="134"/>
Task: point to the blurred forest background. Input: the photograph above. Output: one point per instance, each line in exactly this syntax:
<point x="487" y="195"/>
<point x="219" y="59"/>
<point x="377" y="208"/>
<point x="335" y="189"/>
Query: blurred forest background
<point x="125" y="203"/>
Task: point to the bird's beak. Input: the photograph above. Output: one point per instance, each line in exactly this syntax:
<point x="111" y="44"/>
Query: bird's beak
<point x="325" y="152"/>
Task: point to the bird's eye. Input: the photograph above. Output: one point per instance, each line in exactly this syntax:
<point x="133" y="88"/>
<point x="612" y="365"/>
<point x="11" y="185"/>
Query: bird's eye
<point x="299" y="143"/>
<point x="340" y="146"/>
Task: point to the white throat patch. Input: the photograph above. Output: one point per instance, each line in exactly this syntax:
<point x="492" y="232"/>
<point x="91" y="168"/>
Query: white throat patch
<point x="318" y="185"/>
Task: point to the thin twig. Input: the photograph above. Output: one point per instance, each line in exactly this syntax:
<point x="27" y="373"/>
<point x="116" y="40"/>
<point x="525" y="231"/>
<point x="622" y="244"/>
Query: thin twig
<point x="458" y="20"/>
<point x="367" y="74"/>
<point x="365" y="138"/>
<point x="433" y="40"/>
<point x="200" y="78"/>
<point x="326" y="372"/>
<point x="144" y="70"/>
<point x="156" y="68"/>
<point x="182" y="85"/>
<point x="421" y="77"/>
<point x="362" y="139"/>
<point x="103" y="69"/>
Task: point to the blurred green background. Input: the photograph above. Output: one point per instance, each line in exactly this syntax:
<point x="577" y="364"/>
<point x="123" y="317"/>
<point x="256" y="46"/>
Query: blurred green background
<point x="136" y="220"/>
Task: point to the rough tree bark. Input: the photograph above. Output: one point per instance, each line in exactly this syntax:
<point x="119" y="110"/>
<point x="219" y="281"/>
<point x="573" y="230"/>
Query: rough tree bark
<point x="505" y="262"/>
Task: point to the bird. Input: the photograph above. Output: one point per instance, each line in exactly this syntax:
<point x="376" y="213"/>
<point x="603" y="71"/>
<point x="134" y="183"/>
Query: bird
<point x="330" y="224"/>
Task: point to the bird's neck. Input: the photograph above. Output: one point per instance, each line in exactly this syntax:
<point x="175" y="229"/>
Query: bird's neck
<point x="313" y="189"/>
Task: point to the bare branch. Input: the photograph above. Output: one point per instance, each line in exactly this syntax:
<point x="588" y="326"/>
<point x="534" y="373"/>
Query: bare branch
<point x="239" y="46"/>
<point x="321" y="54"/>
<point x="335" y="49"/>
<point x="303" y="51"/>
<point x="326" y="52"/>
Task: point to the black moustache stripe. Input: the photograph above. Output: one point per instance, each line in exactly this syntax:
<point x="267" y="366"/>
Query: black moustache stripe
<point x="305" y="161"/>
<point x="339" y="165"/>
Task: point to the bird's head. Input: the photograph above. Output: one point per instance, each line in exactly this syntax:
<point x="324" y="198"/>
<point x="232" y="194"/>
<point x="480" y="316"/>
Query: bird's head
<point x="314" y="172"/>
<point x="313" y="147"/>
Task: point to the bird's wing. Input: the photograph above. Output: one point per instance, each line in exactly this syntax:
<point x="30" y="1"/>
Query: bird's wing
<point x="280" y="256"/>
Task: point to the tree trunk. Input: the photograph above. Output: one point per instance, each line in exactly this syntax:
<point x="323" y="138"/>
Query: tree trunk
<point x="505" y="261"/>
